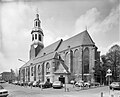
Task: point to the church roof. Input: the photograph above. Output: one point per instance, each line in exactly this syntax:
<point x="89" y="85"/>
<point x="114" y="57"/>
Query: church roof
<point x="49" y="52"/>
<point x="82" y="38"/>
<point x="51" y="48"/>
<point x="45" y="54"/>
<point x="44" y="58"/>
<point x="27" y="64"/>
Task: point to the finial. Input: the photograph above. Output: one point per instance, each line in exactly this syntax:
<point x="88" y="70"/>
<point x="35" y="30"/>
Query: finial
<point x="86" y="28"/>
<point x="37" y="15"/>
<point x="36" y="10"/>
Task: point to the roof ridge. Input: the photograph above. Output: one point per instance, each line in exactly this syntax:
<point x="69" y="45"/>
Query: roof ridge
<point x="84" y="34"/>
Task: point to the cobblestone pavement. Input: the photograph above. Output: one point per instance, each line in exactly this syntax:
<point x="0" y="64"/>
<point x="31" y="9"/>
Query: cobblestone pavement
<point x="18" y="91"/>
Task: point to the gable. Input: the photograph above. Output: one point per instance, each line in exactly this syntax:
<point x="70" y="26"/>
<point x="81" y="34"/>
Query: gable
<point x="60" y="68"/>
<point x="87" y="40"/>
<point x="82" y="38"/>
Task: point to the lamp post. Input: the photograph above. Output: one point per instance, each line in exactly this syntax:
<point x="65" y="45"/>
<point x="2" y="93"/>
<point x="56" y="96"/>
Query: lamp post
<point x="65" y="79"/>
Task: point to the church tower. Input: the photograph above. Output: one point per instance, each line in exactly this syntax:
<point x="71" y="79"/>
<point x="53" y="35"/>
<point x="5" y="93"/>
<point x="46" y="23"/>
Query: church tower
<point x="37" y="38"/>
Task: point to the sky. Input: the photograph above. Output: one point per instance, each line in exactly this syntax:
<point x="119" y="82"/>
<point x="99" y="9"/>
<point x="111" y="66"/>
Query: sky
<point x="59" y="19"/>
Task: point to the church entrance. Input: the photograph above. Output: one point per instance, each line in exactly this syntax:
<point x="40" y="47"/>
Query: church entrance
<point x="62" y="79"/>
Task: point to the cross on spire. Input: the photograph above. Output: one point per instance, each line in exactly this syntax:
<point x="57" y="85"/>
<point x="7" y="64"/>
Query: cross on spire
<point x="86" y="27"/>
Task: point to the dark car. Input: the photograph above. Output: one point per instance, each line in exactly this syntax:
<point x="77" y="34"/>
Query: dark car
<point x="45" y="84"/>
<point x="30" y="83"/>
<point x="115" y="85"/>
<point x="96" y="84"/>
<point x="3" y="92"/>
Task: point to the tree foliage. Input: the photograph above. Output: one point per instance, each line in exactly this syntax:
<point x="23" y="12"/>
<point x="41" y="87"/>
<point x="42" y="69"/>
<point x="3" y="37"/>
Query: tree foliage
<point x="110" y="60"/>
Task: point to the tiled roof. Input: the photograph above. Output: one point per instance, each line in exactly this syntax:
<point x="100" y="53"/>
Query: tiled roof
<point x="48" y="52"/>
<point x="27" y="64"/>
<point x="82" y="38"/>
<point x="44" y="58"/>
<point x="51" y="48"/>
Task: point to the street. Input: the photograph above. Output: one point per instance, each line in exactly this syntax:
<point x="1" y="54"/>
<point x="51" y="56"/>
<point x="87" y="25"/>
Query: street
<point x="18" y="91"/>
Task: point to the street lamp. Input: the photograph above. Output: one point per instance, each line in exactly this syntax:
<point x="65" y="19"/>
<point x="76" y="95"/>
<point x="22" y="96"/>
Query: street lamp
<point x="21" y="60"/>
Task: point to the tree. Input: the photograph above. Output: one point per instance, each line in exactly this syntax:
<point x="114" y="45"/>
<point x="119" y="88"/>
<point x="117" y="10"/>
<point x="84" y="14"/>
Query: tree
<point x="113" y="58"/>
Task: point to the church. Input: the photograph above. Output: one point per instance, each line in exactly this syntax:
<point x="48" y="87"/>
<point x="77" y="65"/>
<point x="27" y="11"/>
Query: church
<point x="64" y="60"/>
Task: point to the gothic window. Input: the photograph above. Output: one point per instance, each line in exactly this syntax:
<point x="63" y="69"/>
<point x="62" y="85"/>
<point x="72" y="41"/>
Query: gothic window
<point x="47" y="68"/>
<point x="75" y="62"/>
<point x="35" y="36"/>
<point x="32" y="37"/>
<point x="39" y="70"/>
<point x="26" y="72"/>
<point x="35" y="73"/>
<point x="31" y="71"/>
<point x="67" y="59"/>
<point x="39" y="37"/>
<point x="86" y="60"/>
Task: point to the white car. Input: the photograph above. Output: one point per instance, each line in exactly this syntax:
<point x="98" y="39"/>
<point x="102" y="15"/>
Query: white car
<point x="34" y="83"/>
<point x="79" y="84"/>
<point x="3" y="92"/>
<point x="57" y="84"/>
<point x="87" y="84"/>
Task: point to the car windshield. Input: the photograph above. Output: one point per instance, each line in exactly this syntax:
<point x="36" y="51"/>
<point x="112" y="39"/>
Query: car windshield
<point x="1" y="87"/>
<point x="116" y="83"/>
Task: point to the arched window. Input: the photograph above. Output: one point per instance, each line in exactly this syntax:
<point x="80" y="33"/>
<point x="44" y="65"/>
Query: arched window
<point x="32" y="37"/>
<point x="31" y="71"/>
<point x="39" y="70"/>
<point x="36" y="23"/>
<point x="75" y="62"/>
<point x="86" y="60"/>
<point x="39" y="24"/>
<point x="67" y="59"/>
<point x="47" y="68"/>
<point x="35" y="36"/>
<point x="39" y="37"/>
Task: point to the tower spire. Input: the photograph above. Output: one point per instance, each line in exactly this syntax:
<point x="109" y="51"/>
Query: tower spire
<point x="37" y="37"/>
<point x="37" y="15"/>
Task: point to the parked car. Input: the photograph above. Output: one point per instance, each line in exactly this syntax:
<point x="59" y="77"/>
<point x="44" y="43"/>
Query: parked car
<point x="21" y="83"/>
<point x="57" y="84"/>
<point x="79" y="84"/>
<point x="95" y="84"/>
<point x="3" y="92"/>
<point x="87" y="84"/>
<point x="45" y="84"/>
<point x="30" y="83"/>
<point x="15" y="82"/>
<point x="115" y="85"/>
<point x="72" y="82"/>
<point x="36" y="83"/>
<point x="2" y="81"/>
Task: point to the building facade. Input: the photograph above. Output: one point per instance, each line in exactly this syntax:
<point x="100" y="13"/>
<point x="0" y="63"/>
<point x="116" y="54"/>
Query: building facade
<point x="72" y="59"/>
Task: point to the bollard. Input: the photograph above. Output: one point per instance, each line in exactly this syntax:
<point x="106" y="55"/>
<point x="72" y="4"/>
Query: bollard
<point x="101" y="94"/>
<point x="67" y="89"/>
<point x="112" y="95"/>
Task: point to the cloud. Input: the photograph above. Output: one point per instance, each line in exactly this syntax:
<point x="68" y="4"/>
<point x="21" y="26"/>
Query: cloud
<point x="88" y="19"/>
<point x="104" y="31"/>
<point x="16" y="26"/>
